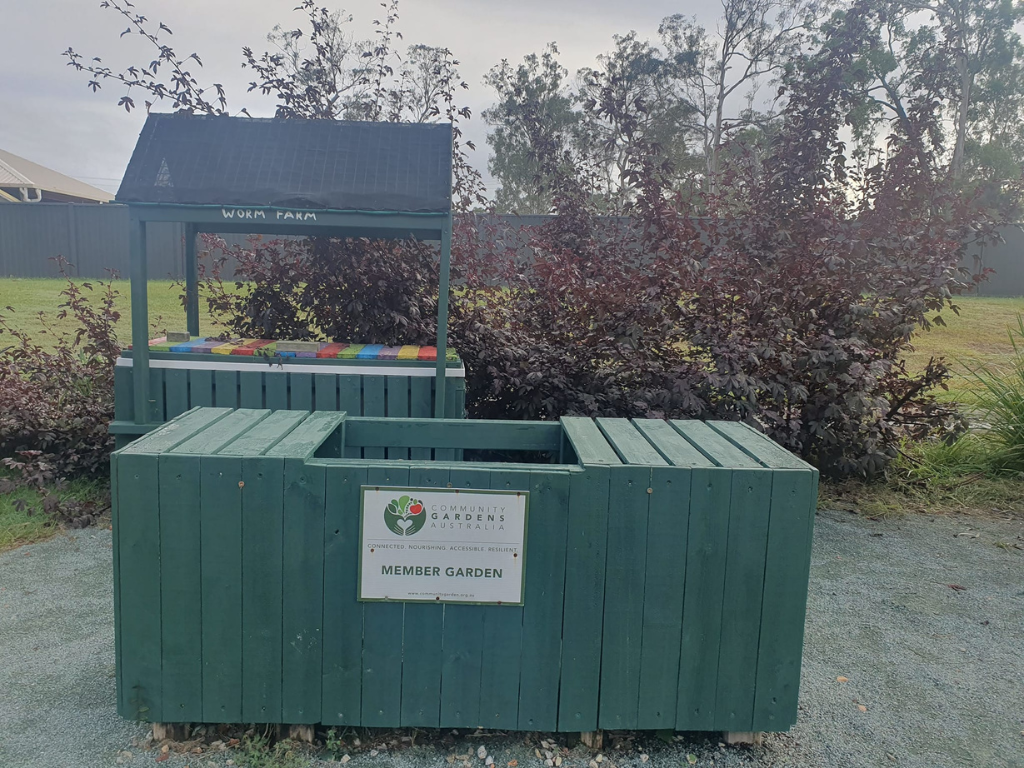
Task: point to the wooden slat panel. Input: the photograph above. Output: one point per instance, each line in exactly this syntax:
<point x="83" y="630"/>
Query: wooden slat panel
<point x="225" y="389"/>
<point x="265" y="434"/>
<point x="276" y="385"/>
<point x="463" y="641"/>
<point x="670" y="444"/>
<point x="455" y="399"/>
<point x="325" y="387"/>
<point x="382" y="638"/>
<point x="398" y="408"/>
<point x="300" y="387"/>
<point x="744" y="585"/>
<point x="262" y="534"/>
<point x="664" y="587"/>
<point x="350" y="391"/>
<point x="461" y="433"/>
<point x="713" y="445"/>
<point x="587" y="440"/>
<point x="222" y="433"/>
<point x="157" y="409"/>
<point x="584" y="599"/>
<point x="181" y="618"/>
<point x="424" y="625"/>
<point x="221" y="555"/>
<point x="177" y="431"/>
<point x="115" y="522"/>
<point x="629" y="443"/>
<point x="175" y="393"/>
<point x="760" y="446"/>
<point x="502" y="661"/>
<point x="124" y="395"/>
<point x="794" y="499"/>
<point x="373" y="405"/>
<point x="302" y="441"/>
<point x="542" y="612"/>
<point x="421" y="405"/>
<point x="303" y="590"/>
<point x="250" y="386"/>
<point x="343" y="614"/>
<point x="200" y="388"/>
<point x="624" y="596"/>
<point x="140" y="696"/>
<point x="710" y="491"/>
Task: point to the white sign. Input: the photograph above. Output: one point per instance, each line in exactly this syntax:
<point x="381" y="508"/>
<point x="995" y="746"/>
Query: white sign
<point x="442" y="545"/>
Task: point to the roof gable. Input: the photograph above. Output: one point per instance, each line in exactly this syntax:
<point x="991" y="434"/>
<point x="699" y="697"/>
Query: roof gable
<point x="183" y="159"/>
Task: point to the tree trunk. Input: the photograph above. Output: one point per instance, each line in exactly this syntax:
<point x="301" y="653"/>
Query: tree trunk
<point x="956" y="166"/>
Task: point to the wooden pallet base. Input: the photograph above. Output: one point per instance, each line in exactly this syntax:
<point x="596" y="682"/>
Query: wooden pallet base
<point x="592" y="739"/>
<point x="172" y="731"/>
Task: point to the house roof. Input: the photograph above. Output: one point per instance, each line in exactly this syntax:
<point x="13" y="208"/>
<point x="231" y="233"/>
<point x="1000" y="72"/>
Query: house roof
<point x="16" y="171"/>
<point x="185" y="159"/>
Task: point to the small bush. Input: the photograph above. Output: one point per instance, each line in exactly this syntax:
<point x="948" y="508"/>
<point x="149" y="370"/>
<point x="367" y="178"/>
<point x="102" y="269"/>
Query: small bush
<point x="58" y="401"/>
<point x="1000" y="404"/>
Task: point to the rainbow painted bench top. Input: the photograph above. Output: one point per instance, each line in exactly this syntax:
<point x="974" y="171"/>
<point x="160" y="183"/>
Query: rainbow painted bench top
<point x="322" y="351"/>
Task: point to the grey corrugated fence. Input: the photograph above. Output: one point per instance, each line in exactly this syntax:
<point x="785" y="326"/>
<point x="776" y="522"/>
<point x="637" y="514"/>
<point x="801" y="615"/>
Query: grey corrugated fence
<point x="95" y="239"/>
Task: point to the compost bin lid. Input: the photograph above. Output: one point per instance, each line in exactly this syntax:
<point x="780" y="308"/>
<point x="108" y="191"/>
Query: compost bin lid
<point x="183" y="159"/>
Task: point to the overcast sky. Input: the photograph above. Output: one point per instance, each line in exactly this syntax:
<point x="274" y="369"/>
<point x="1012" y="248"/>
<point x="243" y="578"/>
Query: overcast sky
<point x="47" y="114"/>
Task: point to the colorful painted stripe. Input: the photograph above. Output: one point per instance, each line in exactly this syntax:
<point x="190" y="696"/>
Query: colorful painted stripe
<point x="428" y="353"/>
<point x="409" y="352"/>
<point x="370" y="352"/>
<point x="265" y="347"/>
<point x="230" y="346"/>
<point x="389" y="353"/>
<point x="207" y="346"/>
<point x="350" y="352"/>
<point x="187" y="346"/>
<point x="331" y="350"/>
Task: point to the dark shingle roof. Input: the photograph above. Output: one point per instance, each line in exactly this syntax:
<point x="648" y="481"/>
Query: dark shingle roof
<point x="202" y="160"/>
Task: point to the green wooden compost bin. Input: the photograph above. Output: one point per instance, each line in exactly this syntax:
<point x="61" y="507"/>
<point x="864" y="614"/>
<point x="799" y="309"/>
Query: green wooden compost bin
<point x="664" y="571"/>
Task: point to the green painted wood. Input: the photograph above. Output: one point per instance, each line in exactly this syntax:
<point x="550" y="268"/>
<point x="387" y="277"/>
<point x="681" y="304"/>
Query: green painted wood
<point x="222" y="433"/>
<point x="453" y="433"/>
<point x="668" y="519"/>
<point x="463" y="640"/>
<point x="140" y="316"/>
<point x="424" y="625"/>
<point x="115" y="523"/>
<point x="373" y="405"/>
<point x="200" y="388"/>
<point x="180" y="589"/>
<point x="325" y="391"/>
<point x="542" y="612"/>
<point x="343" y="614"/>
<point x="421" y="404"/>
<point x="175" y="393"/>
<point x="787" y="568"/>
<point x="744" y="584"/>
<point x="225" y="389"/>
<point x="157" y="412"/>
<point x="582" y="622"/>
<point x="276" y="385"/>
<point x="455" y="399"/>
<point x="676" y="449"/>
<point x="350" y="400"/>
<point x="759" y="446"/>
<point x="625" y="574"/>
<point x="382" y="637"/>
<point x="124" y="402"/>
<point x="262" y="563"/>
<point x="221" y="558"/>
<point x="710" y="491"/>
<point x="713" y="445"/>
<point x="303" y="590"/>
<point x="588" y="441"/>
<point x="308" y="435"/>
<point x="300" y="387"/>
<point x="397" y="407"/>
<point x="140" y="696"/>
<point x="178" y="431"/>
<point x="629" y="443"/>
<point x="250" y="389"/>
<point x="502" y="639"/>
<point x="264" y="434"/>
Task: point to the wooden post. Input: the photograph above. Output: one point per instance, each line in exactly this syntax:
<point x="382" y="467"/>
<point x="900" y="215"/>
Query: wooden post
<point x="191" y="282"/>
<point x="746" y="738"/>
<point x="303" y="733"/>
<point x="172" y="731"/>
<point x="440" y="381"/>
<point x="140" y="319"/>
<point x="592" y="739"/>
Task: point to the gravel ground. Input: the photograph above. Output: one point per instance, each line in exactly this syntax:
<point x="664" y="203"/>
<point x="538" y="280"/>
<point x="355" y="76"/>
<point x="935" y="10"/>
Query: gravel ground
<point x="934" y="674"/>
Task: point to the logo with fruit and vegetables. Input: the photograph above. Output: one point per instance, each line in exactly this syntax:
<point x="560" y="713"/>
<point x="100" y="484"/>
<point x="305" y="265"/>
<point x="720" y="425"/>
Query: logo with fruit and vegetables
<point x="404" y="516"/>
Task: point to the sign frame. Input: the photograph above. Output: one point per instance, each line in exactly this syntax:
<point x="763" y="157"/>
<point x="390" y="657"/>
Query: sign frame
<point x="438" y="600"/>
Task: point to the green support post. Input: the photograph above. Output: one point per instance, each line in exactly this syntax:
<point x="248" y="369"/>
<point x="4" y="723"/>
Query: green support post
<point x="140" y="320"/>
<point x="191" y="282"/>
<point x="442" y="321"/>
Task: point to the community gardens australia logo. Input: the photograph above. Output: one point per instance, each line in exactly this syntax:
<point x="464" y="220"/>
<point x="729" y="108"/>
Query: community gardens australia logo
<point x="404" y="516"/>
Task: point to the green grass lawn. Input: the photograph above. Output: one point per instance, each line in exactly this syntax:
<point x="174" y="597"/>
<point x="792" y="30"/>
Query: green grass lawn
<point x="28" y="297"/>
